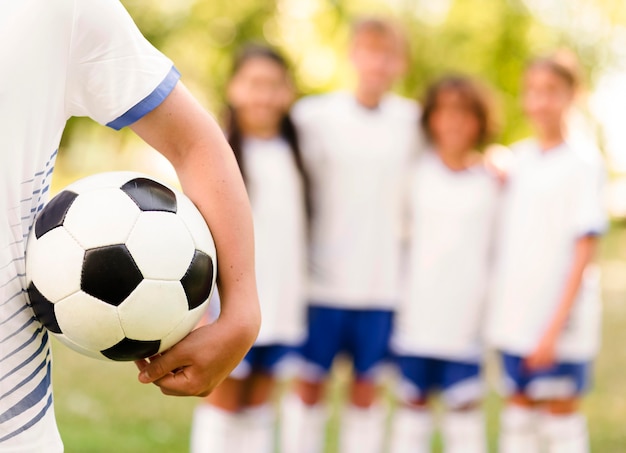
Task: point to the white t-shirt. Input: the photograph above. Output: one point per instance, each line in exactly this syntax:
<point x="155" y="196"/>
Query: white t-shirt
<point x="452" y="220"/>
<point x="61" y="58"/>
<point x="552" y="199"/>
<point x="356" y="158"/>
<point x="276" y="195"/>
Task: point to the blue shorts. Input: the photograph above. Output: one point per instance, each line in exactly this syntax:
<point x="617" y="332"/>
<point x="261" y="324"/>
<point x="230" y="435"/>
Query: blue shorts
<point x="264" y="359"/>
<point x="361" y="334"/>
<point x="561" y="381"/>
<point x="460" y="383"/>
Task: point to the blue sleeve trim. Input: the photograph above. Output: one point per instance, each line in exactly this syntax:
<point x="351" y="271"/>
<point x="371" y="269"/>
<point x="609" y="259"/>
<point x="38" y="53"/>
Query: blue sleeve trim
<point x="149" y="103"/>
<point x="594" y="233"/>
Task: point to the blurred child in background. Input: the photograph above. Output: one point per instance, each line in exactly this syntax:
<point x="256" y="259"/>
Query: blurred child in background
<point x="237" y="416"/>
<point x="452" y="204"/>
<point x="356" y="146"/>
<point x="545" y="308"/>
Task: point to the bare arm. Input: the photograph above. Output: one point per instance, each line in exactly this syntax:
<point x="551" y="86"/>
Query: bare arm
<point x="544" y="354"/>
<point x="191" y="140"/>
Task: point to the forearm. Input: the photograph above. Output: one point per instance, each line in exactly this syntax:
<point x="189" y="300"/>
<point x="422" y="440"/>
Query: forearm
<point x="583" y="255"/>
<point x="191" y="140"/>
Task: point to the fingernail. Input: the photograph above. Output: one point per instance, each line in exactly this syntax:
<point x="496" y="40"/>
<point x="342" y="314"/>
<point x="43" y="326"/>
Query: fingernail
<point x="144" y="377"/>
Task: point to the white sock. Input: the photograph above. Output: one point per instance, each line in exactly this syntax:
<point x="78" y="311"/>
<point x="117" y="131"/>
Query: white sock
<point x="411" y="431"/>
<point x="362" y="430"/>
<point x="303" y="427"/>
<point x="565" y="433"/>
<point x="518" y="430"/>
<point x="257" y="429"/>
<point x="214" y="430"/>
<point x="464" y="432"/>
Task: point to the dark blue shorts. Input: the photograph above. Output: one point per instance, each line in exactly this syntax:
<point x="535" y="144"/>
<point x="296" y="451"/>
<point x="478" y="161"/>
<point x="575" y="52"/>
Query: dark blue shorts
<point x="561" y="381"/>
<point x="460" y="383"/>
<point x="264" y="359"/>
<point x="361" y="334"/>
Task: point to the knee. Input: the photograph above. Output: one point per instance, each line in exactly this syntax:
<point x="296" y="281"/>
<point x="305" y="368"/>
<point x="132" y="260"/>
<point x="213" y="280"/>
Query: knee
<point x="562" y="407"/>
<point x="363" y="393"/>
<point x="311" y="393"/>
<point x="522" y="401"/>
<point x="469" y="406"/>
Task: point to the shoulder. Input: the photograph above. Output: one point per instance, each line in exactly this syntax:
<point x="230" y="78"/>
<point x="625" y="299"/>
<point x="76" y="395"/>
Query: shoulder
<point x="317" y="105"/>
<point x="402" y="107"/>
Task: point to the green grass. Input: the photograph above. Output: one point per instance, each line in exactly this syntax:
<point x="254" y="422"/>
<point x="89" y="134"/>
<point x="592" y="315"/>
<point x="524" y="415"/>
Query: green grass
<point x="102" y="408"/>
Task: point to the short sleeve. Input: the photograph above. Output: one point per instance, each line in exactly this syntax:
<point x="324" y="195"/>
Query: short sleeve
<point x="591" y="215"/>
<point x="115" y="76"/>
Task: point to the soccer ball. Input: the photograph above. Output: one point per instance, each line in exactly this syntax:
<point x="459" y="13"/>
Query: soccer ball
<point x="120" y="266"/>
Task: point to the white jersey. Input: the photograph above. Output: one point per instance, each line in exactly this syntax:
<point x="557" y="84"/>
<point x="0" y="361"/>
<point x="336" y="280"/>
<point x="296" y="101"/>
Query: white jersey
<point x="356" y="158"/>
<point x="276" y="195"/>
<point x="62" y="58"/>
<point x="452" y="220"/>
<point x="552" y="199"/>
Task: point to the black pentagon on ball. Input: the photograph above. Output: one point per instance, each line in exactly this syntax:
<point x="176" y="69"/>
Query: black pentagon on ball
<point x="129" y="349"/>
<point x="110" y="273"/>
<point x="198" y="280"/>
<point x="149" y="195"/>
<point x="43" y="308"/>
<point x="54" y="213"/>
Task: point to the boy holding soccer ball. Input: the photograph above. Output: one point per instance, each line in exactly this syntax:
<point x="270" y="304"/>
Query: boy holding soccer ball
<point x="86" y="58"/>
<point x="545" y="312"/>
<point x="356" y="146"/>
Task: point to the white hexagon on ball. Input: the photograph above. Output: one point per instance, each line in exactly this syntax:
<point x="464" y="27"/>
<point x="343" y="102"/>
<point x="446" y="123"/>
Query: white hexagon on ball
<point x="161" y="245"/>
<point x="153" y="310"/>
<point x="191" y="320"/>
<point x="55" y="262"/>
<point x="69" y="343"/>
<point x="101" y="217"/>
<point x="89" y="322"/>
<point x="196" y="225"/>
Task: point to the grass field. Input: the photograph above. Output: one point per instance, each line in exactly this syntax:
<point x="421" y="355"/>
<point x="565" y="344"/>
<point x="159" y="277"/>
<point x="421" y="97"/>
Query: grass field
<point x="101" y="407"/>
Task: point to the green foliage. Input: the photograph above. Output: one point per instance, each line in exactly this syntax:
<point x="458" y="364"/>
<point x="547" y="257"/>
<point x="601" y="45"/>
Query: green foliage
<point x="490" y="39"/>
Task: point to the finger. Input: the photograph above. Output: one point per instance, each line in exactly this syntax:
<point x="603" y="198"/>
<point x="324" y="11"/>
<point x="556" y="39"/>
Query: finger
<point x="176" y="384"/>
<point x="141" y="364"/>
<point x="159" y="367"/>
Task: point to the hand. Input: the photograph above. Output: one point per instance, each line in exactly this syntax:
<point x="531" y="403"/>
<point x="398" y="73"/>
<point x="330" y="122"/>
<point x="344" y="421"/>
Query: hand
<point x="544" y="355"/>
<point x="498" y="161"/>
<point x="203" y="359"/>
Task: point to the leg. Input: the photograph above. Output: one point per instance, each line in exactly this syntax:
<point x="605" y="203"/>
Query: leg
<point x="303" y="419"/>
<point x="303" y="411"/>
<point x="564" y="428"/>
<point x="216" y="421"/>
<point x="259" y="415"/>
<point x="463" y="425"/>
<point x="363" y="427"/>
<point x="363" y="420"/>
<point x="518" y="424"/>
<point x="412" y="424"/>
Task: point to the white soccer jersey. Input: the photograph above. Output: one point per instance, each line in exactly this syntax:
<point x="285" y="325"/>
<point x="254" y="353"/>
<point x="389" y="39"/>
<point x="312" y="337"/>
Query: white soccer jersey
<point x="276" y="195"/>
<point x="552" y="199"/>
<point x="356" y="157"/>
<point x="452" y="218"/>
<point x="61" y="58"/>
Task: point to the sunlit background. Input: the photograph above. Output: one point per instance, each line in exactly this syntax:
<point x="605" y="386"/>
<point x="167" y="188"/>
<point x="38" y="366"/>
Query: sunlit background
<point x="489" y="38"/>
<point x="101" y="407"/>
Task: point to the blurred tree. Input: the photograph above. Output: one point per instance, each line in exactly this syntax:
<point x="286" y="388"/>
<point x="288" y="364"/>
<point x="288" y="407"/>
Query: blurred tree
<point x="491" y="39"/>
